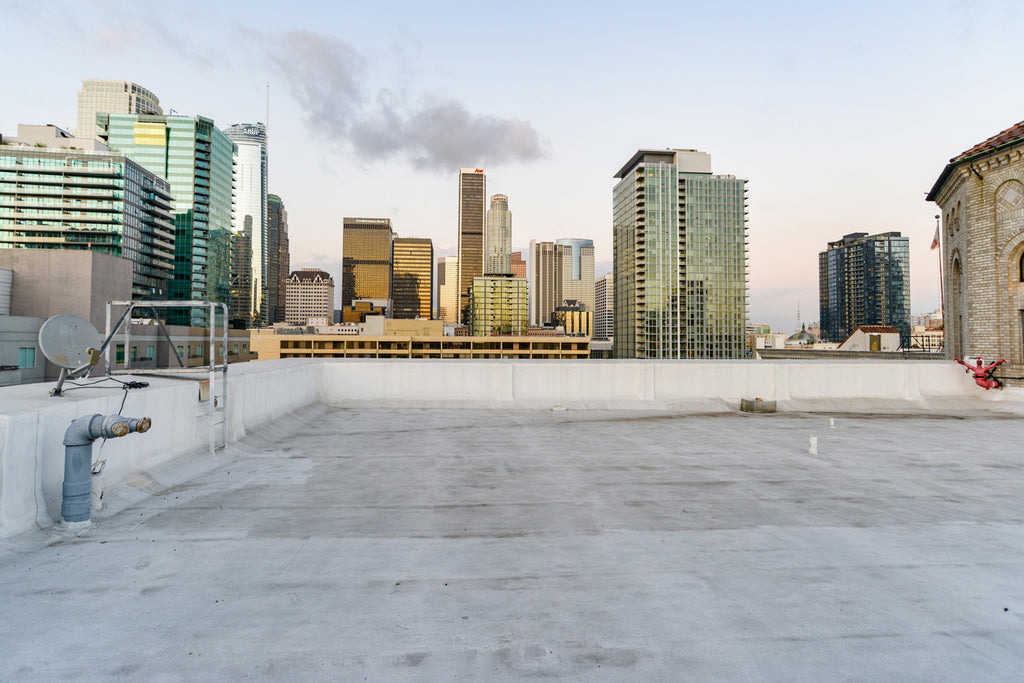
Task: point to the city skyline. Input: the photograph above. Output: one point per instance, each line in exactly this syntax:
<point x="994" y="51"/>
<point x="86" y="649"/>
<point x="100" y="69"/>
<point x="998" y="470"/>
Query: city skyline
<point x="807" y="102"/>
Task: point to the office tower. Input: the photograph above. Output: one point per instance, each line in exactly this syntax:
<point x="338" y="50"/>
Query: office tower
<point x="278" y="257"/>
<point x="310" y="294"/>
<point x="241" y="277"/>
<point x="864" y="280"/>
<point x="448" y="288"/>
<point x="98" y="201"/>
<point x="412" y="275"/>
<point x="498" y="306"/>
<point x="111" y="97"/>
<point x="250" y="208"/>
<point x="472" y="190"/>
<point x="680" y="258"/>
<point x="542" y="282"/>
<point x="518" y="264"/>
<point x="575" y="266"/>
<point x="197" y="159"/>
<point x="498" y="237"/>
<point x="366" y="259"/>
<point x="604" y="298"/>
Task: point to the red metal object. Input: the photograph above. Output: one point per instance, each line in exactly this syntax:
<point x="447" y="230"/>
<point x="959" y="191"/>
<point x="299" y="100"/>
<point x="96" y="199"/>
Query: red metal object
<point x="983" y="374"/>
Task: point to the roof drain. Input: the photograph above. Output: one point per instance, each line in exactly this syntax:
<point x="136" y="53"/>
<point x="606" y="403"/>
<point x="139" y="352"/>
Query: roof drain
<point x="77" y="502"/>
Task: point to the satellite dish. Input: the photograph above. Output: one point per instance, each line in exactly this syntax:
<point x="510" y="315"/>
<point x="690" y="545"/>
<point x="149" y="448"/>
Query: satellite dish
<point x="66" y="340"/>
<point x="72" y="343"/>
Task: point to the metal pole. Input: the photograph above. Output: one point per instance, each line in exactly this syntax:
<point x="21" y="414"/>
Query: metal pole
<point x="128" y="338"/>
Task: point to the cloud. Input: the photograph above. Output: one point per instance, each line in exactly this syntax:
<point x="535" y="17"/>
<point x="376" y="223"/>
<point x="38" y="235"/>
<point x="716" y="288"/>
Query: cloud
<point x="327" y="76"/>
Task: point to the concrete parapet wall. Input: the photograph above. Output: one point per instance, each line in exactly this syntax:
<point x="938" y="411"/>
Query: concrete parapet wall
<point x="698" y="386"/>
<point x="32" y="424"/>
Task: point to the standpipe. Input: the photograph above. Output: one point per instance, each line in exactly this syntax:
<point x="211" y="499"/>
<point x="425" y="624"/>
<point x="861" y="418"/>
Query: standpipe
<point x="77" y="502"/>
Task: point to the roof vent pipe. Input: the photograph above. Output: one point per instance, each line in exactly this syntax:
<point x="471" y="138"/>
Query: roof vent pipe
<point x="77" y="502"/>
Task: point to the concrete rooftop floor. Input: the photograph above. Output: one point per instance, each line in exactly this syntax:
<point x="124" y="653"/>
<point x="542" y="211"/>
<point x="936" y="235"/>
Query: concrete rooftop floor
<point x="403" y="544"/>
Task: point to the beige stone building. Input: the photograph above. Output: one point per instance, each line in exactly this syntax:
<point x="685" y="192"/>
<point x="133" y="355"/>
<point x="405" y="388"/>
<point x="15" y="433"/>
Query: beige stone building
<point x="980" y="194"/>
<point x="309" y="294"/>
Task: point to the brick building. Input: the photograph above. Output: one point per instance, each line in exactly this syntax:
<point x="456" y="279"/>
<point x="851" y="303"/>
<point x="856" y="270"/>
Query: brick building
<point x="980" y="194"/>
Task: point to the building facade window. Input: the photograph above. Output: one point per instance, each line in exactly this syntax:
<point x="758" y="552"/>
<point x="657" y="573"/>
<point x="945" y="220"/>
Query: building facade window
<point x="27" y="357"/>
<point x="119" y="355"/>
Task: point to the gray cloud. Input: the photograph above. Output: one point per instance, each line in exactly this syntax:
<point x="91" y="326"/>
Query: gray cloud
<point x="326" y="77"/>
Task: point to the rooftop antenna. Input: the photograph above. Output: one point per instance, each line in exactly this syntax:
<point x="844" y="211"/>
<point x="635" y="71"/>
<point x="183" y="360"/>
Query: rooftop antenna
<point x="71" y="343"/>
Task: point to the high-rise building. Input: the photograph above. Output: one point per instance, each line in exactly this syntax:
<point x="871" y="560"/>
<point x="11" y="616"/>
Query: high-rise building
<point x="310" y="294"/>
<point x="560" y="270"/>
<point x="498" y="306"/>
<point x="498" y="237"/>
<point x="278" y="257"/>
<point x="99" y="96"/>
<point x="518" y="264"/>
<point x="366" y="259"/>
<point x="542" y="282"/>
<point x="54" y="198"/>
<point x="575" y="266"/>
<point x="241" y="277"/>
<point x="412" y="276"/>
<point x="604" y="299"/>
<point x="864" y="280"/>
<point x="680" y="258"/>
<point x="198" y="161"/>
<point x="448" y="288"/>
<point x="472" y="191"/>
<point x="250" y="212"/>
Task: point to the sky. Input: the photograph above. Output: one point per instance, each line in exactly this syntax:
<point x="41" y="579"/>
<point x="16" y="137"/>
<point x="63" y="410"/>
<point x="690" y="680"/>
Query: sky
<point x="840" y="115"/>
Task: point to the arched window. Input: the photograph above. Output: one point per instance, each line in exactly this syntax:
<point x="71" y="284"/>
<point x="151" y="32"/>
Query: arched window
<point x="1021" y="268"/>
<point x="956" y="217"/>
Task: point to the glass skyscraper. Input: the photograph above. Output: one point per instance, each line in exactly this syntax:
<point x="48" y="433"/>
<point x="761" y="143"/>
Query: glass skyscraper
<point x="197" y="160"/>
<point x="412" y="276"/>
<point x="278" y="257"/>
<point x="575" y="267"/>
<point x="366" y="259"/>
<point x="680" y="258"/>
<point x="472" y="191"/>
<point x="99" y="201"/>
<point x="864" y="280"/>
<point x="249" y="223"/>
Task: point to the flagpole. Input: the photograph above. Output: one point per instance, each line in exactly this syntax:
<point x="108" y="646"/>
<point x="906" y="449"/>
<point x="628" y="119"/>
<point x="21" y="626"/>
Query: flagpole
<point x="942" y="289"/>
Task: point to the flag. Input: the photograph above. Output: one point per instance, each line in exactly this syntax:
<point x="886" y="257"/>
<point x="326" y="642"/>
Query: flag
<point x="935" y="240"/>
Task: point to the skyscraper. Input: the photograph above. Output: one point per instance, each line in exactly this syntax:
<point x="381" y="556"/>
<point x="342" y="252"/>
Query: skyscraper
<point x="412" y="275"/>
<point x="542" y="282"/>
<point x="249" y="218"/>
<point x="472" y="190"/>
<point x="498" y="238"/>
<point x="366" y="259"/>
<point x="680" y="258"/>
<point x="448" y="288"/>
<point x="604" y="299"/>
<point x="97" y="201"/>
<point x="99" y="96"/>
<point x="864" y="280"/>
<point x="278" y="257"/>
<point x="198" y="161"/>
<point x="575" y="267"/>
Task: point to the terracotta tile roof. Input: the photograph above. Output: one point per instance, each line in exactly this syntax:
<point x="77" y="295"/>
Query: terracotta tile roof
<point x="1011" y="134"/>
<point x="878" y="329"/>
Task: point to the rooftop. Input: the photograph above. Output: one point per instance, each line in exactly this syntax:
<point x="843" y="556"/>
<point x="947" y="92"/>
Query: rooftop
<point x="358" y="538"/>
